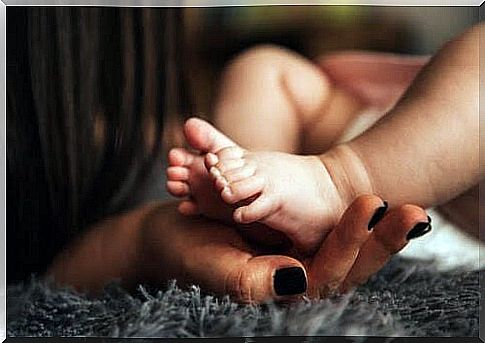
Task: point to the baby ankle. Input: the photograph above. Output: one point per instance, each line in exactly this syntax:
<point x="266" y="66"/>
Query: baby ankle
<point x="348" y="173"/>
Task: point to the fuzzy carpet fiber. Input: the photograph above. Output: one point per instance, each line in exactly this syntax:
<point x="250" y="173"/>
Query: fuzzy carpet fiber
<point x="406" y="298"/>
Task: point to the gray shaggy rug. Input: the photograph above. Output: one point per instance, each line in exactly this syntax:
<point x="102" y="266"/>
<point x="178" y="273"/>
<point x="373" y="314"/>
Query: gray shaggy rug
<point x="406" y="298"/>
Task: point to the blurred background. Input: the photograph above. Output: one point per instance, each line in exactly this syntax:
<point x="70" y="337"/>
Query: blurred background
<point x="216" y="34"/>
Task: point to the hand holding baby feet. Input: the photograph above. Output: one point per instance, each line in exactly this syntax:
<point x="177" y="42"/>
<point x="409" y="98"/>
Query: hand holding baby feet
<point x="292" y="194"/>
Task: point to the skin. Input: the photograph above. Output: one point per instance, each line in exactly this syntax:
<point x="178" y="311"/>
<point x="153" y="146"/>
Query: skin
<point x="304" y="178"/>
<point x="154" y="244"/>
<point x="281" y="185"/>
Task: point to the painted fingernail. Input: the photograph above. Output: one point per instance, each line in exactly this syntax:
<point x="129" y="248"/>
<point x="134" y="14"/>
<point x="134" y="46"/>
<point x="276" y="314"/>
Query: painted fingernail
<point x="419" y="230"/>
<point x="378" y="215"/>
<point x="289" y="281"/>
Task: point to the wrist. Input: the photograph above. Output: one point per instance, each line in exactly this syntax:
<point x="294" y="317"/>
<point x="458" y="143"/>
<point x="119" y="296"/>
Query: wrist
<point x="110" y="250"/>
<point x="348" y="172"/>
<point x="136" y="270"/>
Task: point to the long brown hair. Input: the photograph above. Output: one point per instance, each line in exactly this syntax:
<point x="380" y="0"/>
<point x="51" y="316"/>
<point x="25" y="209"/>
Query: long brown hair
<point x="88" y="89"/>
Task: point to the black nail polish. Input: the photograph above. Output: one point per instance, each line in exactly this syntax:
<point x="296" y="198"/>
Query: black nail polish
<point x="429" y="219"/>
<point x="378" y="215"/>
<point x="289" y="281"/>
<point x="419" y="230"/>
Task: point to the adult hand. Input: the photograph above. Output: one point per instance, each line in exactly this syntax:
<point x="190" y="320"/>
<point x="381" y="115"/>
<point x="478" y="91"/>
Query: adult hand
<point x="216" y="256"/>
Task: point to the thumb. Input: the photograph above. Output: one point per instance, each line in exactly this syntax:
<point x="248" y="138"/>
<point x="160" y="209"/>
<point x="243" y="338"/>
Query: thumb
<point x="269" y="277"/>
<point x="217" y="258"/>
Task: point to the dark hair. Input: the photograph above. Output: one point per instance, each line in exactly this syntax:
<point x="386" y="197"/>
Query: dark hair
<point x="87" y="92"/>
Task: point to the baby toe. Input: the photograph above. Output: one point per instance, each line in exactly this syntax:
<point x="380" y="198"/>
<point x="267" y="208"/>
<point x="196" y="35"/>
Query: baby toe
<point x="178" y="173"/>
<point x="178" y="188"/>
<point x="242" y="190"/>
<point x="210" y="160"/>
<point x="241" y="173"/>
<point x="230" y="153"/>
<point x="220" y="183"/>
<point x="225" y="165"/>
<point x="180" y="157"/>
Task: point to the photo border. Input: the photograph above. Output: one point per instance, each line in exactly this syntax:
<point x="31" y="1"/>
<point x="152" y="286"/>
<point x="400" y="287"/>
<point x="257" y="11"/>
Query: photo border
<point x="201" y="3"/>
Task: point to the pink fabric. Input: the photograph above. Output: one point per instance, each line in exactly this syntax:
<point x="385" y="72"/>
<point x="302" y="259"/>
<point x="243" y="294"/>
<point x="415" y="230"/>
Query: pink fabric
<point x="379" y="79"/>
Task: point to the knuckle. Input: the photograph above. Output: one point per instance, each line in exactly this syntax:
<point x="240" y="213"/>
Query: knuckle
<point x="410" y="210"/>
<point x="364" y="199"/>
<point x="241" y="286"/>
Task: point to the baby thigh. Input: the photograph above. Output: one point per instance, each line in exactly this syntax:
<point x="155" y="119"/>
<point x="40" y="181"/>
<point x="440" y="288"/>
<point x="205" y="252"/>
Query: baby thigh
<point x="268" y="97"/>
<point x="365" y="86"/>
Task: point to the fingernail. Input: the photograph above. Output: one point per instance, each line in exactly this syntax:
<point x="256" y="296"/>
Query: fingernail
<point x="378" y="215"/>
<point x="419" y="230"/>
<point x="289" y="281"/>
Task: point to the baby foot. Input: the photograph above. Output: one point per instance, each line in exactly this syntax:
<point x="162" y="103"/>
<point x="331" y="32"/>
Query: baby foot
<point x="188" y="177"/>
<point x="292" y="194"/>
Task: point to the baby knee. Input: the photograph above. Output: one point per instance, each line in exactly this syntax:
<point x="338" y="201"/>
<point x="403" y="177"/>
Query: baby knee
<point x="261" y="59"/>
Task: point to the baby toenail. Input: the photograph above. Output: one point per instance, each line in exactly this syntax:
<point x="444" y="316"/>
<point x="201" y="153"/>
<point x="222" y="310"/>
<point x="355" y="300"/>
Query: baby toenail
<point x="215" y="172"/>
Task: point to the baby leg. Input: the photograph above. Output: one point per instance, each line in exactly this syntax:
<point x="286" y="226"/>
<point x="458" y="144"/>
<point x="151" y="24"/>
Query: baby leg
<point x="296" y="111"/>
<point x="426" y="150"/>
<point x="269" y="96"/>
